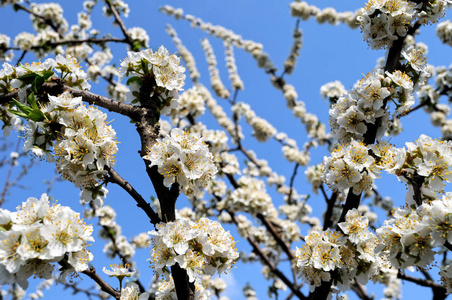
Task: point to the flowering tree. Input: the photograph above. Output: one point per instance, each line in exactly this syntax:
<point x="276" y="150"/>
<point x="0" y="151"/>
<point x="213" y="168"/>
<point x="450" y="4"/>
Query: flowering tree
<point x="361" y="237"/>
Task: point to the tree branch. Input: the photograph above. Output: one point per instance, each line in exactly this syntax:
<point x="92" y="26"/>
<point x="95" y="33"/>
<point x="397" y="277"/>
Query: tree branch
<point x="419" y="281"/>
<point x="268" y="224"/>
<point x="57" y="86"/>
<point x="75" y="42"/>
<point x="292" y="179"/>
<point x="114" y="177"/>
<point x="91" y="273"/>
<point x="44" y="19"/>
<point x="328" y="222"/>
<point x="120" y="23"/>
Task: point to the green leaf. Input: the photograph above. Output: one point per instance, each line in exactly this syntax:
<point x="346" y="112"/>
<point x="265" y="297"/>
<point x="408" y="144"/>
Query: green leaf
<point x="36" y="115"/>
<point x="36" y="79"/>
<point x="144" y="67"/>
<point x="28" y="78"/>
<point x="24" y="108"/>
<point x="18" y="113"/>
<point x="38" y="82"/>
<point x="134" y="79"/>
<point x="46" y="74"/>
<point x="31" y="99"/>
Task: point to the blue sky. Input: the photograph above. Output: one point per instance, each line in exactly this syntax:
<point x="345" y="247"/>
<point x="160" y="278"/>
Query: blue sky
<point x="329" y="53"/>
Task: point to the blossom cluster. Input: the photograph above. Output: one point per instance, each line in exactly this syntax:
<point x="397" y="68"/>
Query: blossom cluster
<point x="365" y="103"/>
<point x="350" y="166"/>
<point x="160" y="71"/>
<point x="38" y="234"/>
<point x="429" y="165"/>
<point x="78" y="140"/>
<point x="383" y="21"/>
<point x="132" y="292"/>
<point x="231" y="65"/>
<point x="191" y="103"/>
<point x="425" y="165"/>
<point x="53" y="12"/>
<point x="333" y="91"/>
<point x="408" y="238"/>
<point x="24" y="77"/>
<point x="60" y="128"/>
<point x="201" y="247"/>
<point x="291" y="61"/>
<point x="184" y="158"/>
<point x="251" y="197"/>
<point x="351" y="253"/>
<point x="444" y="32"/>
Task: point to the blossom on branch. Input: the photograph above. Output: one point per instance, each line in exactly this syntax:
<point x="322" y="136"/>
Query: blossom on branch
<point x="201" y="247"/>
<point x="38" y="234"/>
<point x="184" y="158"/>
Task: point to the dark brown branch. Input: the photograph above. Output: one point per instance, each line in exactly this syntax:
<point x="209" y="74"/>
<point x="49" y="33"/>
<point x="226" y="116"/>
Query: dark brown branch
<point x="448" y="246"/>
<point x="44" y="19"/>
<point x="120" y="23"/>
<point x="328" y="222"/>
<point x="21" y="57"/>
<point x="419" y="281"/>
<point x="292" y="179"/>
<point x="360" y="291"/>
<point x="269" y="226"/>
<point x="75" y="42"/>
<point x="57" y="86"/>
<point x="91" y="273"/>
<point x="141" y="203"/>
<point x="76" y="290"/>
<point x="416" y="182"/>
<point x="146" y="127"/>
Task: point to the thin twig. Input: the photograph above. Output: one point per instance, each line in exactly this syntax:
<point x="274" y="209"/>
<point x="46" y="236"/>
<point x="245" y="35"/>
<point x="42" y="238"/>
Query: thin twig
<point x="270" y="264"/>
<point x="268" y="224"/>
<point x="91" y="273"/>
<point x="75" y="42"/>
<point x="292" y="179"/>
<point x="120" y="23"/>
<point x="8" y="185"/>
